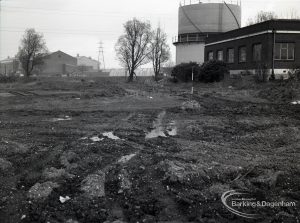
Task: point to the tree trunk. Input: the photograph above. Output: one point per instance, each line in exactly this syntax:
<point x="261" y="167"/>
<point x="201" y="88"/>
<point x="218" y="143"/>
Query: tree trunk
<point x="131" y="73"/>
<point x="27" y="72"/>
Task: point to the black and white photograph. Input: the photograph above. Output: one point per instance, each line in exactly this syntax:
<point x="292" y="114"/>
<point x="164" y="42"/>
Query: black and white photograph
<point x="138" y="111"/>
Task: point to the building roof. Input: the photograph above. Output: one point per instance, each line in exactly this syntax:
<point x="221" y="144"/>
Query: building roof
<point x="89" y="58"/>
<point x="8" y="60"/>
<point x="59" y="52"/>
<point x="259" y="28"/>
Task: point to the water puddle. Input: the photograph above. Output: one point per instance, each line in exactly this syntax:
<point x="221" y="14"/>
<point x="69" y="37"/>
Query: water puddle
<point x="66" y="118"/>
<point x="96" y="139"/>
<point x="295" y="103"/>
<point x="111" y="135"/>
<point x="125" y="159"/>
<point x="6" y="95"/>
<point x="172" y="129"/>
<point x="158" y="128"/>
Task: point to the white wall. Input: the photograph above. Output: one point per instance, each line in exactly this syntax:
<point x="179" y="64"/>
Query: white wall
<point x="188" y="52"/>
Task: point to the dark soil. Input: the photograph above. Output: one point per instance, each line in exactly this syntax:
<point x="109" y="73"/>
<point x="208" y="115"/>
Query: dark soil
<point x="233" y="140"/>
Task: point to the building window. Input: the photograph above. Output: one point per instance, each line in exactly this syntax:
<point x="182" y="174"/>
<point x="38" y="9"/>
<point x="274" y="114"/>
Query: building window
<point x="220" y="55"/>
<point x="210" y="55"/>
<point x="230" y="55"/>
<point x="242" y="54"/>
<point x="284" y="51"/>
<point x="257" y="48"/>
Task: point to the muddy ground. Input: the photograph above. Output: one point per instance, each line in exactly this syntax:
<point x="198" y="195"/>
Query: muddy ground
<point x="102" y="150"/>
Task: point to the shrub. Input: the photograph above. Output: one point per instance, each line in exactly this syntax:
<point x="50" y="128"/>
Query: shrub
<point x="183" y="71"/>
<point x="8" y="79"/>
<point x="294" y="74"/>
<point x="212" y="71"/>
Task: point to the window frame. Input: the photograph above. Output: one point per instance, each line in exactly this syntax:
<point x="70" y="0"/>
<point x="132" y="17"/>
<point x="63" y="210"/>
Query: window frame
<point x="217" y="58"/>
<point x="294" y="53"/>
<point x="233" y="59"/>
<point x="239" y="55"/>
<point x="208" y="55"/>
<point x="253" y="52"/>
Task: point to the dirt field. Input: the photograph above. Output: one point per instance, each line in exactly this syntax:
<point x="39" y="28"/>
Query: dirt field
<point x="103" y="150"/>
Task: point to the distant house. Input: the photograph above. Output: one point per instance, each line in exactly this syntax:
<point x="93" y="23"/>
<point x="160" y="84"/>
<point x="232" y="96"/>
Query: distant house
<point x="272" y="46"/>
<point x="58" y="63"/>
<point x="87" y="62"/>
<point x="9" y="66"/>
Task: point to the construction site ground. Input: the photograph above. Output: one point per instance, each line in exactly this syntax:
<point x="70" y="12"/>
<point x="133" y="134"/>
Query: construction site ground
<point x="104" y="150"/>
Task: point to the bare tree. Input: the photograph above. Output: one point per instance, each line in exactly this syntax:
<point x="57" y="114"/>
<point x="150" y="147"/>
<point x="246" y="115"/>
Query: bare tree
<point x="159" y="50"/>
<point x="292" y="14"/>
<point x="261" y="17"/>
<point x="133" y="47"/>
<point x="32" y="50"/>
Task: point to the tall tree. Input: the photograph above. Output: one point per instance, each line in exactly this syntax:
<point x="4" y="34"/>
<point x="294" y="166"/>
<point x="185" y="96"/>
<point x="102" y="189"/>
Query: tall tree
<point x="32" y="50"/>
<point x="159" y="50"/>
<point x="133" y="46"/>
<point x="261" y="17"/>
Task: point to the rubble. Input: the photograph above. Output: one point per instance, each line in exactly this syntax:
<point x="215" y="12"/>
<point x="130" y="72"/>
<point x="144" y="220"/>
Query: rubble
<point x="125" y="159"/>
<point x="93" y="185"/>
<point x="5" y="165"/>
<point x="41" y="191"/>
<point x="64" y="199"/>
<point x="96" y="139"/>
<point x="268" y="179"/>
<point x="53" y="173"/>
<point x="110" y="135"/>
<point x="68" y="160"/>
<point x="176" y="171"/>
<point x="190" y="105"/>
<point x="125" y="183"/>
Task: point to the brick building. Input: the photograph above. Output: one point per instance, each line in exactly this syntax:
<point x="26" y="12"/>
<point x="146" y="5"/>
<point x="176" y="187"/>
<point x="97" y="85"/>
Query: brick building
<point x="273" y="46"/>
<point x="58" y="63"/>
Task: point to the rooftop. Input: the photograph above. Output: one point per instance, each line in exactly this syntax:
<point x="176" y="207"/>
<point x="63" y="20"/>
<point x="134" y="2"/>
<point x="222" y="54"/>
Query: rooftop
<point x="270" y="25"/>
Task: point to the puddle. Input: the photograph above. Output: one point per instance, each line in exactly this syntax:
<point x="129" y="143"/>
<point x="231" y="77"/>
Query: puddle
<point x="6" y="95"/>
<point x="125" y="159"/>
<point x="295" y="103"/>
<point x="111" y="135"/>
<point x="160" y="130"/>
<point x="156" y="133"/>
<point x="172" y="129"/>
<point x="96" y="139"/>
<point x="66" y="118"/>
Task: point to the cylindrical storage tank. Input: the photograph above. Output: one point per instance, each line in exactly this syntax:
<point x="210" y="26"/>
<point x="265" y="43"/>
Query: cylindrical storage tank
<point x="197" y="21"/>
<point x="209" y="18"/>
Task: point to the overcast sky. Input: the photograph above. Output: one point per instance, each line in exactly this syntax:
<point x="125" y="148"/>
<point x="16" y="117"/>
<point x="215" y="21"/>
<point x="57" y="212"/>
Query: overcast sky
<point x="77" y="26"/>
